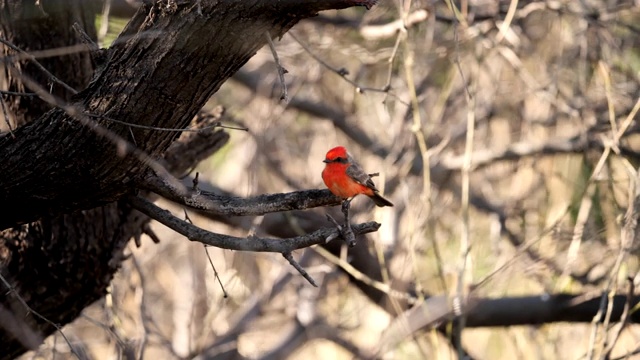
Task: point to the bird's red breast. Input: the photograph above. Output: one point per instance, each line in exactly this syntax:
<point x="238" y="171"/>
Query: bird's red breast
<point x="335" y="177"/>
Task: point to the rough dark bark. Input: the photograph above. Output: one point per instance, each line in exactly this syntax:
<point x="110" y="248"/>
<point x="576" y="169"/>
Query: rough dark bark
<point x="164" y="67"/>
<point x="70" y="177"/>
<point x="45" y="260"/>
<point x="35" y="28"/>
<point x="62" y="264"/>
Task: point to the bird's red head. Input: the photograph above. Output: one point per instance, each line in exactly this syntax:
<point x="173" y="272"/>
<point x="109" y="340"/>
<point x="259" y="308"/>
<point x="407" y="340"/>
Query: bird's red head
<point x="338" y="152"/>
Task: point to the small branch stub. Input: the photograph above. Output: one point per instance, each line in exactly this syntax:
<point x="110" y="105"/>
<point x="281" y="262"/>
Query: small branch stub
<point x="303" y="272"/>
<point x="346" y="232"/>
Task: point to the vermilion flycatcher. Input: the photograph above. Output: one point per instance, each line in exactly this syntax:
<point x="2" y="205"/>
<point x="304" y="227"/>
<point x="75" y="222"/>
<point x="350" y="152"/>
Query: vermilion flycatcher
<point x="346" y="179"/>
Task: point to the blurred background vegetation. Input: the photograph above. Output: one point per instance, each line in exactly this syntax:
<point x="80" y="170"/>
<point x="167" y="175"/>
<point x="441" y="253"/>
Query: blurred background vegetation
<point x="504" y="131"/>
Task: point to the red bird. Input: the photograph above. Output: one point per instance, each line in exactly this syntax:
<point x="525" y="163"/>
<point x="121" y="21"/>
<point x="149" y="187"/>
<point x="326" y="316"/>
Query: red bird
<point x="346" y="179"/>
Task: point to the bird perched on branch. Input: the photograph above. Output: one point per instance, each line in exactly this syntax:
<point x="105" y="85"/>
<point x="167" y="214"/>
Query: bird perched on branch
<point x="346" y="178"/>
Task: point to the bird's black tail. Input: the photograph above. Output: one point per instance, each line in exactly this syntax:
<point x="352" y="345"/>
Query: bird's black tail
<point x="380" y="201"/>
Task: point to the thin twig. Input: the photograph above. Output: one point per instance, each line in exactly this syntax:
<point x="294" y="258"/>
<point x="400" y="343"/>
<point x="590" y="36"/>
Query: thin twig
<point x="342" y="72"/>
<point x="284" y="95"/>
<point x="253" y="243"/>
<point x="189" y="129"/>
<point x="149" y="324"/>
<point x="364" y="278"/>
<point x="16" y="93"/>
<point x="465" y="242"/>
<point x="206" y="249"/>
<point x="504" y="27"/>
<point x="417" y="128"/>
<point x="108" y="329"/>
<point x="628" y="355"/>
<point x="624" y="318"/>
<point x="337" y="116"/>
<point x="37" y="64"/>
<point x="337" y="225"/>
<point x="215" y="272"/>
<point x="606" y="78"/>
<point x="586" y="204"/>
<point x="58" y="328"/>
<point x="345" y="230"/>
<point x="391" y="59"/>
<point x="629" y="234"/>
<point x="303" y="272"/>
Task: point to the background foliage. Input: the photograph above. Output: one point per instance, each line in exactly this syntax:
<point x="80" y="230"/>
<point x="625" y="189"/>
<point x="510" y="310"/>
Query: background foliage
<point x="504" y="132"/>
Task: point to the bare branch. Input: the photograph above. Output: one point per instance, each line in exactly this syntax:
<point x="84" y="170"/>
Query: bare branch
<point x="575" y="144"/>
<point x="252" y="243"/>
<point x="431" y="312"/>
<point x="507" y="311"/>
<point x="284" y="96"/>
<point x="375" y="32"/>
<point x="347" y="233"/>
<point x="624" y="321"/>
<point x="342" y="72"/>
<point x="210" y="203"/>
<point x="15" y="93"/>
<point x="34" y="336"/>
<point x="365" y="278"/>
<point x="215" y="272"/>
<point x="297" y="266"/>
<point x="545" y="309"/>
<point x="37" y="64"/>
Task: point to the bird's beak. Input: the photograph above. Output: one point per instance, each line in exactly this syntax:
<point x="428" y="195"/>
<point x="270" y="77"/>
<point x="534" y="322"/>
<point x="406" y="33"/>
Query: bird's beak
<point x="326" y="161"/>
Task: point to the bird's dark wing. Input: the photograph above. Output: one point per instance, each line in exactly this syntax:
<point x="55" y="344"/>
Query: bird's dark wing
<point x="356" y="172"/>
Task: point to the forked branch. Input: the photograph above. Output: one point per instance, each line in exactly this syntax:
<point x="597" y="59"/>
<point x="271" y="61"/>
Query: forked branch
<point x="251" y="243"/>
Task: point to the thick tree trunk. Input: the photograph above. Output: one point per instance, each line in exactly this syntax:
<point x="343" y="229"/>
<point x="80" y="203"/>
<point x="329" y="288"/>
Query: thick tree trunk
<point x="67" y="171"/>
<point x="50" y="262"/>
<point x="59" y="266"/>
<point x="165" y="65"/>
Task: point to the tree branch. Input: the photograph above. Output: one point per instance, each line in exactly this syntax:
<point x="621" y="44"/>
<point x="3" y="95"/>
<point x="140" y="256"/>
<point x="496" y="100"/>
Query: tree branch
<point x="593" y="139"/>
<point x="213" y="204"/>
<point x="438" y="311"/>
<point x="251" y="243"/>
<point x="383" y="31"/>
<point x="139" y="81"/>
